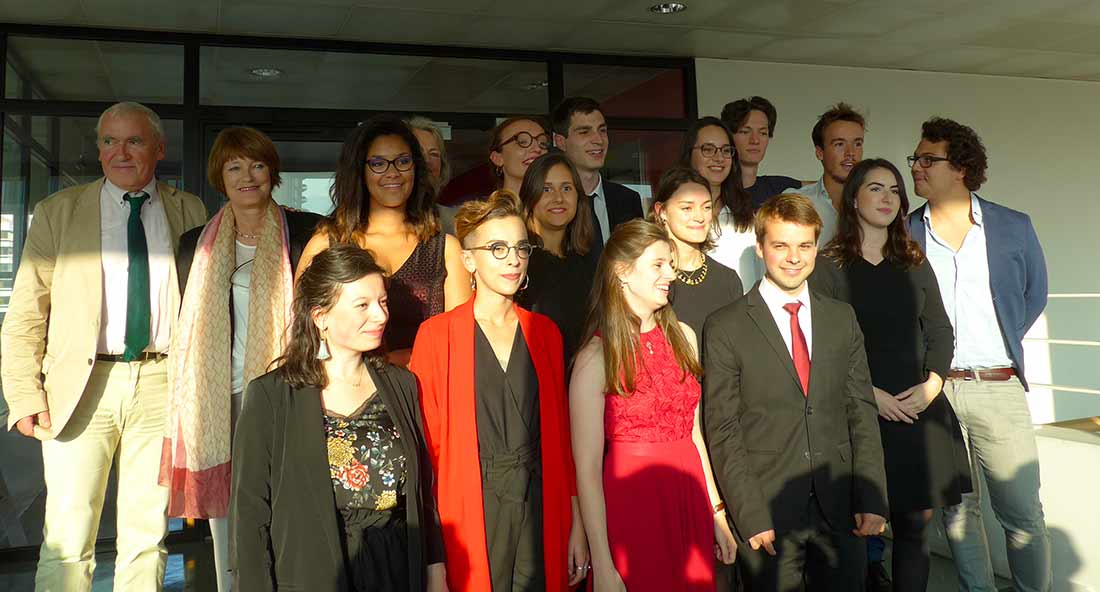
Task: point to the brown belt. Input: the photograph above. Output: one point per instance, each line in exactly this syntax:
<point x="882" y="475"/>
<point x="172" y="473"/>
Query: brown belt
<point x="143" y="356"/>
<point x="996" y="374"/>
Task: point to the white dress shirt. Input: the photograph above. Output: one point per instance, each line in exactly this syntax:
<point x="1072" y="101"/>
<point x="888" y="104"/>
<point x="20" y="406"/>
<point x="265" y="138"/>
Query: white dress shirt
<point x="599" y="201"/>
<point x="736" y="249"/>
<point x="114" y="214"/>
<point x="776" y="298"/>
<point x="963" y="277"/>
<point x="819" y="196"/>
<point x="240" y="282"/>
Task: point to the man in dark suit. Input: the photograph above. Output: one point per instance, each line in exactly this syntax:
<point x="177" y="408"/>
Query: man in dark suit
<point x="791" y="421"/>
<point x="580" y="131"/>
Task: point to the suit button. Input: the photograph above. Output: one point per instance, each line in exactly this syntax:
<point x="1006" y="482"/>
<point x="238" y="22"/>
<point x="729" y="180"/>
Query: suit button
<point x="806" y="454"/>
<point x="91" y="361"/>
<point x="809" y="410"/>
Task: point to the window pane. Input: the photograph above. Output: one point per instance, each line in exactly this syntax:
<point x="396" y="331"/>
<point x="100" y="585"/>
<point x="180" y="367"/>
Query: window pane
<point x="626" y="91"/>
<point x="330" y="80"/>
<point x="13" y="84"/>
<point x="638" y="158"/>
<point x="80" y="70"/>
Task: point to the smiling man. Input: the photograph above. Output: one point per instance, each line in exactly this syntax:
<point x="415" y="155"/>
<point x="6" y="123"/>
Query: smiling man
<point x="838" y="143"/>
<point x="85" y="338"/>
<point x="580" y="131"/>
<point x="791" y="421"/>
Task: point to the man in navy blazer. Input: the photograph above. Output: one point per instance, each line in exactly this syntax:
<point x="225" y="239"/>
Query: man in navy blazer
<point x="993" y="279"/>
<point x="580" y="131"/>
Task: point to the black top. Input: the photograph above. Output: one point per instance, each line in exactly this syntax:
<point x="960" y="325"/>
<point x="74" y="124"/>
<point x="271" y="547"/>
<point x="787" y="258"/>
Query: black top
<point x="767" y="186"/>
<point x="415" y="292"/>
<point x="693" y="304"/>
<point x="300" y="227"/>
<point x="507" y="400"/>
<point x="283" y="519"/>
<point x="906" y="335"/>
<point x="559" y="289"/>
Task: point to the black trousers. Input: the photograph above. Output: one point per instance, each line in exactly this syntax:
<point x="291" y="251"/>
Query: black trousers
<point x="812" y="557"/>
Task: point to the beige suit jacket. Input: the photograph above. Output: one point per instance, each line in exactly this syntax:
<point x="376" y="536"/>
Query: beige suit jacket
<point x="49" y="336"/>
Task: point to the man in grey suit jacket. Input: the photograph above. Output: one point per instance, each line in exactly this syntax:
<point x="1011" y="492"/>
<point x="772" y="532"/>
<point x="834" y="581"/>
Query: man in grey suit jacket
<point x="791" y="421"/>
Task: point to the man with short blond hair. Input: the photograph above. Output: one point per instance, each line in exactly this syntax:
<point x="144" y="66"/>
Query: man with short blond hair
<point x="84" y="345"/>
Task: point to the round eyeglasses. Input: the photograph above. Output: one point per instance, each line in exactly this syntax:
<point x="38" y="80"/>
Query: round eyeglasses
<point x="524" y="140"/>
<point x="711" y="150"/>
<point x="378" y="165"/>
<point x="500" y="249"/>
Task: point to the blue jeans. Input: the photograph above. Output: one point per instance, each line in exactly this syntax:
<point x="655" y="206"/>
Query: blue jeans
<point x="996" y="424"/>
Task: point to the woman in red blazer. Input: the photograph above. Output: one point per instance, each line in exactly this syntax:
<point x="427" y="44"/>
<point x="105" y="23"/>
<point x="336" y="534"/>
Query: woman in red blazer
<point x="495" y="414"/>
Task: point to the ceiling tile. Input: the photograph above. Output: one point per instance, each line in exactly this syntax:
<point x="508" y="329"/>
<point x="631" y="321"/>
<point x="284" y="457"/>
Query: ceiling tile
<point x="577" y="12"/>
<point x="66" y="12"/>
<point x="394" y="25"/>
<point x="281" y="19"/>
<point x="867" y="20"/>
<point x="959" y="59"/>
<point x="1027" y="63"/>
<point x="710" y="13"/>
<point x="189" y="15"/>
<point x="495" y="31"/>
<point x="806" y="50"/>
<point x="1031" y="34"/>
<point x="465" y="6"/>
<point x="706" y="43"/>
<point x="612" y="37"/>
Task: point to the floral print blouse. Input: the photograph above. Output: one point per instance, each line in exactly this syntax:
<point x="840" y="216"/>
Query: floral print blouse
<point x="366" y="458"/>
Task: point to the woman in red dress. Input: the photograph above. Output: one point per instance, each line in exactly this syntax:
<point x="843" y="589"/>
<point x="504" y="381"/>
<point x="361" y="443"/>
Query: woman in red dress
<point x="648" y="500"/>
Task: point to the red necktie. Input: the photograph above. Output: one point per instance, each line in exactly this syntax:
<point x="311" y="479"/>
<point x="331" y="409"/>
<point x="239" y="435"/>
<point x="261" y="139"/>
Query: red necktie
<point x="799" y="352"/>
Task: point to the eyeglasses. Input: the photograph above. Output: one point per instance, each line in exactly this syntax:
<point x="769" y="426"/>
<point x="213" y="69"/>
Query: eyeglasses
<point x="710" y="150"/>
<point x="924" y="160"/>
<point x="379" y="165"/>
<point x="501" y="249"/>
<point x="524" y="139"/>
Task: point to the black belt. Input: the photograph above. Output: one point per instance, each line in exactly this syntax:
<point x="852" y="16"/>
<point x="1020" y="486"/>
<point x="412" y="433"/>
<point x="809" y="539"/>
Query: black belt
<point x="142" y="357"/>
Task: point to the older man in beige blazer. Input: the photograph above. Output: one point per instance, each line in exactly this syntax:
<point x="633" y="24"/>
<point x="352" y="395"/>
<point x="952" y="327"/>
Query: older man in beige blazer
<point x="83" y="352"/>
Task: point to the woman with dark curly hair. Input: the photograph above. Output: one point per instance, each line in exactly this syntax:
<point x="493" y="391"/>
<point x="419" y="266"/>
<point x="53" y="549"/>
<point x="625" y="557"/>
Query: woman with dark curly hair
<point x="385" y="204"/>
<point x="873" y="265"/>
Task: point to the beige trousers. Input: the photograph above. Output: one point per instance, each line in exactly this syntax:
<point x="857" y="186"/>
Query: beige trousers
<point x="120" y="419"/>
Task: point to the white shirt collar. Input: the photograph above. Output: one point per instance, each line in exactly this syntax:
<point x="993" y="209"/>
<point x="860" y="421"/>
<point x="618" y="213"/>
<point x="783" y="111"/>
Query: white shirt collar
<point x="117" y="194"/>
<point x="775" y="297"/>
<point x="975" y="212"/>
<point x="598" y="191"/>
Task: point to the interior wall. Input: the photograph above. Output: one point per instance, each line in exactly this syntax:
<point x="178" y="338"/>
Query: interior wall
<point x="1042" y="140"/>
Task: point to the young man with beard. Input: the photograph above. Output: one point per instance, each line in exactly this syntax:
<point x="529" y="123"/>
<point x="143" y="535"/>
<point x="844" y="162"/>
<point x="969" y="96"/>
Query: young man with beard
<point x="580" y="131"/>
<point x="838" y="142"/>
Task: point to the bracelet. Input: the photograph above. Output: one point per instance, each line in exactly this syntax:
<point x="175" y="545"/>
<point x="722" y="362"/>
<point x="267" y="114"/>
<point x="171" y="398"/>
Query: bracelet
<point x="719" y="507"/>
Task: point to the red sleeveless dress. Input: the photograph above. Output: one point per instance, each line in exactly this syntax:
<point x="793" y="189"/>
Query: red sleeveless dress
<point x="659" y="521"/>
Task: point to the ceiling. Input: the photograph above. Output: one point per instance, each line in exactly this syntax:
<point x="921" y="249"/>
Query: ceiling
<point x="1040" y="38"/>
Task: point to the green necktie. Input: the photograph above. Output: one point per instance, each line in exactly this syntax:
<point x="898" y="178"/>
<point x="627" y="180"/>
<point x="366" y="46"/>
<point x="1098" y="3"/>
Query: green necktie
<point x="137" y="280"/>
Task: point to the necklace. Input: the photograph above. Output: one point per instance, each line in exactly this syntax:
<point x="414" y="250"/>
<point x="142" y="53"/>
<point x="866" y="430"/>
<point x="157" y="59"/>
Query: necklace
<point x="354" y="384"/>
<point x="248" y="236"/>
<point x="694" y="277"/>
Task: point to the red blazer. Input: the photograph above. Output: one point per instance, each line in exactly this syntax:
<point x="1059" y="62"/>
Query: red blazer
<point x="443" y="361"/>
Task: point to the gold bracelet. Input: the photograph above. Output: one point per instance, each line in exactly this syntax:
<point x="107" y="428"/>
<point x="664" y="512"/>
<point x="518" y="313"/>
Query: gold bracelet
<point x="719" y="507"/>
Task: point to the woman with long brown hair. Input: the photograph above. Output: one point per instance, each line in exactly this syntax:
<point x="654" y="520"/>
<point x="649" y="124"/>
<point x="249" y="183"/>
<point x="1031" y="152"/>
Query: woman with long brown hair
<point x="332" y="486"/>
<point x="873" y="265"/>
<point x="384" y="203"/>
<point x="513" y="145"/>
<point x="651" y="510"/>
<point x="708" y="149"/>
<point x="562" y="267"/>
<point x="492" y="384"/>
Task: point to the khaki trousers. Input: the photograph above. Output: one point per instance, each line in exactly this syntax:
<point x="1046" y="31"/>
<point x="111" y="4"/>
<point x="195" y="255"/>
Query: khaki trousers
<point x="120" y="419"/>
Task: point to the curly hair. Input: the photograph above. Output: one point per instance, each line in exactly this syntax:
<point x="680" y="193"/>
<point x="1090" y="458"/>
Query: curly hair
<point x="838" y="112"/>
<point x="735" y="114"/>
<point x="964" y="148"/>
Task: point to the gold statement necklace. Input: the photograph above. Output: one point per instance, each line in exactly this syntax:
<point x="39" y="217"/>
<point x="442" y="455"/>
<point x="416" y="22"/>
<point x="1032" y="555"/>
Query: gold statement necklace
<point x="695" y="276"/>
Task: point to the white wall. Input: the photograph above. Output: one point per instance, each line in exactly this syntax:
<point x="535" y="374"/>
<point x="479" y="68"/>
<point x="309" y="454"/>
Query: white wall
<point x="1043" y="141"/>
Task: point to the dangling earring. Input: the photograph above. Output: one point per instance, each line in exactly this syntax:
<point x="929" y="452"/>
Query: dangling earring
<point x="526" y="282"/>
<point x="473" y="282"/>
<point x="322" y="350"/>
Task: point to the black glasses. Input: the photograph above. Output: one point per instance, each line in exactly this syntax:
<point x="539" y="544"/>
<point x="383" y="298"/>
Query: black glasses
<point x="524" y="139"/>
<point x="710" y="150"/>
<point x="500" y="249"/>
<point x="924" y="160"/>
<point x="379" y="165"/>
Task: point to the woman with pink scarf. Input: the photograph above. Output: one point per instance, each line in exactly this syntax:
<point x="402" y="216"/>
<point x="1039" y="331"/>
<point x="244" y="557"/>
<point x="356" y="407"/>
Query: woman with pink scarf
<point x="236" y="274"/>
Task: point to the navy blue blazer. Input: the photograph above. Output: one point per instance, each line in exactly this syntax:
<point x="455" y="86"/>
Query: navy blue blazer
<point x="1017" y="272"/>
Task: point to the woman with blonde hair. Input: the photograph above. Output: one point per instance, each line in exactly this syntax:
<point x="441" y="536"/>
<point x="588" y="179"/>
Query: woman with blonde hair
<point x="492" y="385"/>
<point x="651" y="510"/>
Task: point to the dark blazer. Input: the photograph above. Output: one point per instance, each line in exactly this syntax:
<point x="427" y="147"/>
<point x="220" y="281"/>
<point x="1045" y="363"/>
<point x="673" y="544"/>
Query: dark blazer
<point x="1017" y="272"/>
<point x="768" y="443"/>
<point x="300" y="227"/>
<point x="623" y="204"/>
<point x="283" y="527"/>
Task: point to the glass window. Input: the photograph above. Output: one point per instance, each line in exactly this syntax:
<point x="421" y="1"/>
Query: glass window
<point x="638" y="158"/>
<point x="13" y="83"/>
<point x="105" y="70"/>
<point x="627" y="91"/>
<point x="330" y="80"/>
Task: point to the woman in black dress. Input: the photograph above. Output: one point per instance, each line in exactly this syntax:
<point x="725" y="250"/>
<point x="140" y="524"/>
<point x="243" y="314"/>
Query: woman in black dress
<point x="332" y="486"/>
<point x="873" y="265"/>
<point x="683" y="206"/>
<point x="561" y="269"/>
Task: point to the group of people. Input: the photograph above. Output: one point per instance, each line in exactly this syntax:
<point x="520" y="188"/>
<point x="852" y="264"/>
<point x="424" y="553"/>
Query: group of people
<point x="737" y="389"/>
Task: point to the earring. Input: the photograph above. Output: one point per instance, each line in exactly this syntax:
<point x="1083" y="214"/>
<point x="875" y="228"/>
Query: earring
<point x="473" y="282"/>
<point x="526" y="282"/>
<point x="322" y="350"/>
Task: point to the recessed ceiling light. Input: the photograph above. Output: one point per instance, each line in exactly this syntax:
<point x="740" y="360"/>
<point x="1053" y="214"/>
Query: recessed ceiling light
<point x="536" y="85"/>
<point x="668" y="7"/>
<point x="265" y="72"/>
